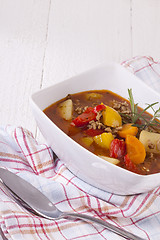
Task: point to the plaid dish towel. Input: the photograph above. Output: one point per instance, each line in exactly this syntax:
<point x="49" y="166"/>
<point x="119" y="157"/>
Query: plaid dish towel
<point x="23" y="155"/>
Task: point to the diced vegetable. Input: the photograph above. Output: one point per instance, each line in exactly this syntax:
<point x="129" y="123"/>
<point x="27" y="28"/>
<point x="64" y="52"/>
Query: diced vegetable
<point x="93" y="96"/>
<point x="66" y="109"/>
<point x="111" y="160"/>
<point x="128" y="129"/>
<point x="87" y="140"/>
<point x="88" y="115"/>
<point x="104" y="140"/>
<point x="151" y="141"/>
<point x="99" y="108"/>
<point x="111" y="117"/>
<point x="84" y="118"/>
<point x="129" y="164"/>
<point x="117" y="149"/>
<point x="135" y="149"/>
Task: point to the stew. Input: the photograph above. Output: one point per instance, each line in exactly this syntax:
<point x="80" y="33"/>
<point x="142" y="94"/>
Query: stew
<point x="115" y="129"/>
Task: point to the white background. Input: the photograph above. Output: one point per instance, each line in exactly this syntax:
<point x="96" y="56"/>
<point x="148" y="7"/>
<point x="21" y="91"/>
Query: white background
<point x="46" y="41"/>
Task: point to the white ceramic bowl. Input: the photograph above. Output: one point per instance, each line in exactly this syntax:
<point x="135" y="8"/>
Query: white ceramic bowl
<point x="78" y="160"/>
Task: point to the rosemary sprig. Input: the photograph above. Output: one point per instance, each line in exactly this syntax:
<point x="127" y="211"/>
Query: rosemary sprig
<point x="139" y="115"/>
<point x="134" y="116"/>
<point x="134" y="107"/>
<point x="154" y="118"/>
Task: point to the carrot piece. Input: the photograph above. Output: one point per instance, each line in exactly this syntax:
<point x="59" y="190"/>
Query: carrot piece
<point x="128" y="129"/>
<point x="135" y="149"/>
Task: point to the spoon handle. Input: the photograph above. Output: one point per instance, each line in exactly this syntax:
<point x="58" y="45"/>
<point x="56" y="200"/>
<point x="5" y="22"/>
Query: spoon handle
<point x="111" y="227"/>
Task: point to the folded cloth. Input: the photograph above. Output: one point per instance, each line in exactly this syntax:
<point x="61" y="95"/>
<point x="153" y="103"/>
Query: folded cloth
<point x="23" y="155"/>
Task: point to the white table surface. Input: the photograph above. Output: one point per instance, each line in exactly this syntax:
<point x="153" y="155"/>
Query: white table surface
<point x="46" y="41"/>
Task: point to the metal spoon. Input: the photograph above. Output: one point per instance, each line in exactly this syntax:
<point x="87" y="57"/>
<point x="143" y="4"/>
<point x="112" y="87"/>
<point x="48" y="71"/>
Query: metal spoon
<point x="36" y="202"/>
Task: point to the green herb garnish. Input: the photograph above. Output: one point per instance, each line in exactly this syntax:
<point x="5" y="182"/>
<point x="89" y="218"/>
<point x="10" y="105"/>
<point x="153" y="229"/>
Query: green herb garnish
<point x="134" y="107"/>
<point x="135" y="116"/>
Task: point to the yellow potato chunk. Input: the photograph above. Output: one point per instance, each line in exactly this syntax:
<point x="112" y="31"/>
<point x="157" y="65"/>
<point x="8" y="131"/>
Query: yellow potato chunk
<point x="92" y="96"/>
<point x="111" y="117"/>
<point x="66" y="109"/>
<point x="151" y="141"/>
<point x="104" y="140"/>
<point x="108" y="159"/>
<point x="87" y="140"/>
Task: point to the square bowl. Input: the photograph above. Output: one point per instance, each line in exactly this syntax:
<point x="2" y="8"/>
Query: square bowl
<point x="82" y="163"/>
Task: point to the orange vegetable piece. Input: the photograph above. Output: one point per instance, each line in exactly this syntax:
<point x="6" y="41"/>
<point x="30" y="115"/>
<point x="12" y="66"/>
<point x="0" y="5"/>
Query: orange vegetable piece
<point x="128" y="129"/>
<point x="135" y="149"/>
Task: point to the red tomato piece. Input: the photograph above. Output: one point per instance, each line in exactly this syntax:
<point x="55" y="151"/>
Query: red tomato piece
<point x="84" y="118"/>
<point x="99" y="108"/>
<point x="117" y="148"/>
<point x="129" y="164"/>
<point x="88" y="115"/>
